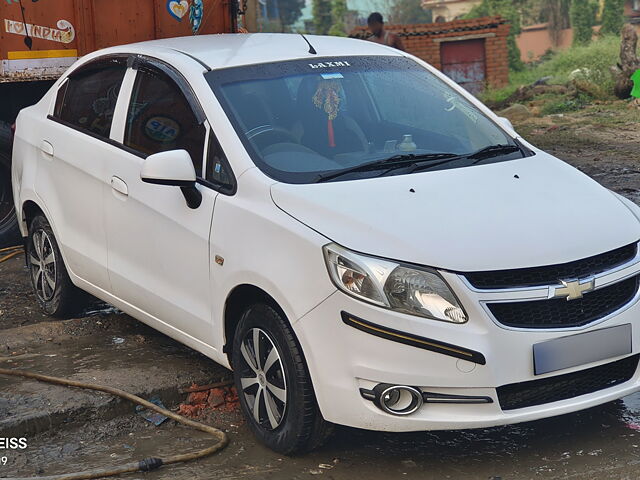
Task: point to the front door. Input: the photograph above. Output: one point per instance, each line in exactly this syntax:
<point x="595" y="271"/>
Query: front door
<point x="158" y="246"/>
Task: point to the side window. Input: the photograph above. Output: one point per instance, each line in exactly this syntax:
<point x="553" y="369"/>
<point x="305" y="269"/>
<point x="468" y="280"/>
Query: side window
<point x="218" y="170"/>
<point x="88" y="98"/>
<point x="160" y="118"/>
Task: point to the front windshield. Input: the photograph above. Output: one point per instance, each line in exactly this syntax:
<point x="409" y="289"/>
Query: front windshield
<point x="300" y="120"/>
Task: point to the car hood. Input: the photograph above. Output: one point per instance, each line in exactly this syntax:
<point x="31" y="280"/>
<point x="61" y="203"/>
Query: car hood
<point x="520" y="213"/>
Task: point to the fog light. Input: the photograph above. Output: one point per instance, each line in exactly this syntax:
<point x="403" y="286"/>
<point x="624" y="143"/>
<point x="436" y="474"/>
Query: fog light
<point x="398" y="399"/>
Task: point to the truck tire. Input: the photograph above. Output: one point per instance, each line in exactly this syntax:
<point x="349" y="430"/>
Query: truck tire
<point x="9" y="231"/>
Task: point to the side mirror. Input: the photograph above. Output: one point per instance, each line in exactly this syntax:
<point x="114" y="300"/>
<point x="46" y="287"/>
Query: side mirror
<point x="173" y="168"/>
<point x="506" y="123"/>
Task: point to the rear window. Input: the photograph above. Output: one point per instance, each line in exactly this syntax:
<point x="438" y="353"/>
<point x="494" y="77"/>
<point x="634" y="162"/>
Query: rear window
<point x="88" y="98"/>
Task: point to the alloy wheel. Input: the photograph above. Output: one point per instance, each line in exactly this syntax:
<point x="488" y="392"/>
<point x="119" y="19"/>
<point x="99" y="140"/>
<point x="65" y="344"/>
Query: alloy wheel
<point x="263" y="379"/>
<point x="42" y="260"/>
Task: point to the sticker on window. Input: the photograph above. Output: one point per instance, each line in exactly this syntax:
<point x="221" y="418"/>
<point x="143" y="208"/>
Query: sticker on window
<point x="162" y="129"/>
<point x="330" y="64"/>
<point x="331" y="76"/>
<point x="456" y="103"/>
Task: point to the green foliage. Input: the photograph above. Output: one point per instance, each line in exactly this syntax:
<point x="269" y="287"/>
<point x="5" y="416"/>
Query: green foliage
<point x="338" y="13"/>
<point x="409" y="12"/>
<point x="506" y="8"/>
<point x="612" y="17"/>
<point x="290" y="11"/>
<point x="510" y="11"/>
<point x="515" y="62"/>
<point x="583" y="18"/>
<point x="596" y="56"/>
<point x="567" y="104"/>
<point x="321" y="12"/>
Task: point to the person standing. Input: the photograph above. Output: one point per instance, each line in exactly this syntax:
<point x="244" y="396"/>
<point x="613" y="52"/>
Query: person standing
<point x="380" y="35"/>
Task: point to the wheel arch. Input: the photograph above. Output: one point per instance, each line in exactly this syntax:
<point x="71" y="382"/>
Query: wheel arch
<point x="30" y="210"/>
<point x="237" y="300"/>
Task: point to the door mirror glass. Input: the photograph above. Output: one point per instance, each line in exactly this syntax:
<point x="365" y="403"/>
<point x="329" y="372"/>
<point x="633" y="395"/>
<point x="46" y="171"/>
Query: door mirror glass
<point x="173" y="167"/>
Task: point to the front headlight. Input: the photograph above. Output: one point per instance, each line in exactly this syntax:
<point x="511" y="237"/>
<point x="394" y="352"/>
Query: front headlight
<point x="403" y="288"/>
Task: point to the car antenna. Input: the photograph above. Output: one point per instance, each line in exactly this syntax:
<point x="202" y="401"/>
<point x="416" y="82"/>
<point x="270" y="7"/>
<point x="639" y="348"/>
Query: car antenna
<point x="311" y="49"/>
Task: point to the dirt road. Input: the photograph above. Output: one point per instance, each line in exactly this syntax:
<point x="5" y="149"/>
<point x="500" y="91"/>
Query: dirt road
<point x="70" y="430"/>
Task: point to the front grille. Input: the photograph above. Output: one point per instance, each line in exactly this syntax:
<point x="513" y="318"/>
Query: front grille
<point x="552" y="274"/>
<point x="560" y="313"/>
<point x="569" y="385"/>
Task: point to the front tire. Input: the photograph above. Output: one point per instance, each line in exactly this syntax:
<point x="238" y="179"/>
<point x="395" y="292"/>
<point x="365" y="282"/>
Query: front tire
<point x="56" y="295"/>
<point x="273" y="383"/>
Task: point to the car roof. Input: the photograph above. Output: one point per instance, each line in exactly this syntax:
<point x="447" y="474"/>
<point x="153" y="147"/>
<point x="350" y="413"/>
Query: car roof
<point x="238" y="49"/>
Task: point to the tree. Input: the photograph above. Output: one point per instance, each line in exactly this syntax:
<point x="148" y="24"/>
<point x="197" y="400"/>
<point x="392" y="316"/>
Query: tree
<point x="510" y="11"/>
<point x="583" y="18"/>
<point x="321" y="12"/>
<point x="290" y="11"/>
<point x="338" y="12"/>
<point x="612" y="17"/>
<point x="556" y="14"/>
<point x="409" y="12"/>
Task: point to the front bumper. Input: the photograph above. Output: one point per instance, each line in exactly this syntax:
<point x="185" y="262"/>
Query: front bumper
<point x="343" y="360"/>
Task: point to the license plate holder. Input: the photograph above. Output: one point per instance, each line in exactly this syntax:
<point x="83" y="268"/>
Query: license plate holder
<point x="582" y="348"/>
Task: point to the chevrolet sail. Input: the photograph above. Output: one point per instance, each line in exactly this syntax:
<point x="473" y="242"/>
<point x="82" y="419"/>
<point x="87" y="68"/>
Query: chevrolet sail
<point x="357" y="237"/>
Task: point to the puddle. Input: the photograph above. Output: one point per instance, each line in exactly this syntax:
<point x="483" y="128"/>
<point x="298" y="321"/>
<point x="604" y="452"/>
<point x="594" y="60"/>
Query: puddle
<point x="602" y="442"/>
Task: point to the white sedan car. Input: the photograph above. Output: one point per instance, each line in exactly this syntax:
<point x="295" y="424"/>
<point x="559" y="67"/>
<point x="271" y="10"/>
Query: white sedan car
<point x="357" y="237"/>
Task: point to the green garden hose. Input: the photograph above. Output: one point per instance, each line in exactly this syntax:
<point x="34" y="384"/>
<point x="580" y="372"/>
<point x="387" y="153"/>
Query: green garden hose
<point x="11" y="252"/>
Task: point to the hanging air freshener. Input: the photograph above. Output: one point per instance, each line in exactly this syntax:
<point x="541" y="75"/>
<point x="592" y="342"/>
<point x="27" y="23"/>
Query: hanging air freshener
<point x="327" y="97"/>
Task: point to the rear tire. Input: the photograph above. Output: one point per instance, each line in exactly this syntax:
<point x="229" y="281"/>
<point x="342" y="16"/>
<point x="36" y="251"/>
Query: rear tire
<point x="56" y="295"/>
<point x="275" y="377"/>
<point x="9" y="230"/>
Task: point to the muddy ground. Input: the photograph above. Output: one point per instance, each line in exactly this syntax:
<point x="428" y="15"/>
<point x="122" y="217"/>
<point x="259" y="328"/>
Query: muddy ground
<point x="69" y="430"/>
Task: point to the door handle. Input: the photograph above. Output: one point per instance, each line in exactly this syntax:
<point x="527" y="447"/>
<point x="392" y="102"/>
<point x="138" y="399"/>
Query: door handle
<point x="119" y="185"/>
<point x="46" y="148"/>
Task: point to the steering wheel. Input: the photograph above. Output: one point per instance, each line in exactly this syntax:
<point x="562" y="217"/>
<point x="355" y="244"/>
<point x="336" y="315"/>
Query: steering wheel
<point x="270" y="129"/>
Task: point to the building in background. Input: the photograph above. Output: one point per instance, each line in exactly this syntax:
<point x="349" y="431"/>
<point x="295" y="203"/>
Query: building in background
<point x="448" y="10"/>
<point x="472" y="52"/>
<point x="632" y="11"/>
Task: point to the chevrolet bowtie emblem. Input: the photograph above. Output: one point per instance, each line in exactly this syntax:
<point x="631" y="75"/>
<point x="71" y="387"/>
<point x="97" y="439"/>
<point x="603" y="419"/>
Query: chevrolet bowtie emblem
<point x="573" y="289"/>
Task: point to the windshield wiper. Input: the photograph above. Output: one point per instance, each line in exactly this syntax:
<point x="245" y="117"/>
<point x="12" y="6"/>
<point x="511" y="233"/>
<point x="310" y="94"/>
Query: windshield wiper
<point x="494" y="151"/>
<point x="396" y="161"/>
<point x="477" y="156"/>
<point x="416" y="161"/>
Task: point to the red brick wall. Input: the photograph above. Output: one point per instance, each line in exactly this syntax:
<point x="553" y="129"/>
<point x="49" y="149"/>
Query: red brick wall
<point x="419" y="41"/>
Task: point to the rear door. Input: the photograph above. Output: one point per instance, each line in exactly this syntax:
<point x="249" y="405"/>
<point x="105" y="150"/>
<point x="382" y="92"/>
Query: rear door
<point x="74" y="150"/>
<point x="158" y="246"/>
